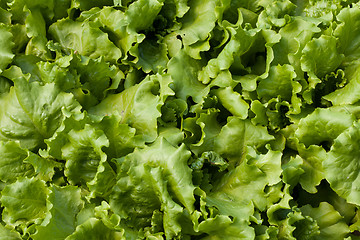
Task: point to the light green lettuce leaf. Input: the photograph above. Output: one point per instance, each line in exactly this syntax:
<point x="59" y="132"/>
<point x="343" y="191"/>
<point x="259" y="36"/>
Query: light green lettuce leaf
<point x="313" y="172"/>
<point x="85" y="38"/>
<point x="329" y="223"/>
<point x="5" y="85"/>
<point x="251" y="176"/>
<point x="271" y="87"/>
<point x="341" y="166"/>
<point x="172" y="134"/>
<point x="87" y="5"/>
<point x="194" y="50"/>
<point x="141" y="181"/>
<point x="5" y="16"/>
<point x="63" y="204"/>
<point x="12" y="163"/>
<point x="276" y="14"/>
<point x="240" y="210"/>
<point x="108" y="217"/>
<point x="228" y="193"/>
<point x="270" y="164"/>
<point x="24" y="201"/>
<point x="36" y="31"/>
<point x="240" y="42"/>
<point x="210" y="128"/>
<point x="322" y="126"/>
<point x="347" y="94"/>
<point x="323" y="10"/>
<point x="122" y="138"/>
<point x="173" y="44"/>
<point x="6" y="45"/>
<point x="329" y="87"/>
<point x="294" y="36"/>
<point x="292" y="170"/>
<point x="278" y="212"/>
<point x="103" y="181"/>
<point x="172" y="110"/>
<point x="152" y="55"/>
<point x="233" y="102"/>
<point x="139" y="106"/>
<point x="20" y="38"/>
<point x="236" y="136"/>
<point x="141" y="13"/>
<point x="75" y="122"/>
<point x="44" y="167"/>
<point x="259" y="110"/>
<point x="326" y="194"/>
<point x="94" y="229"/>
<point x="198" y="22"/>
<point x="32" y="112"/>
<point x="184" y="72"/>
<point x="7" y="234"/>
<point x="83" y="154"/>
<point x="47" y="72"/>
<point x="96" y="76"/>
<point x="288" y="225"/>
<point x="325" y="48"/>
<point x="18" y="9"/>
<point x="347" y="33"/>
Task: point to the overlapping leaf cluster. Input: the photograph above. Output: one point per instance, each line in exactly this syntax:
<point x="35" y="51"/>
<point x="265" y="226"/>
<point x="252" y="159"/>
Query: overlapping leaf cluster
<point x="179" y="119"/>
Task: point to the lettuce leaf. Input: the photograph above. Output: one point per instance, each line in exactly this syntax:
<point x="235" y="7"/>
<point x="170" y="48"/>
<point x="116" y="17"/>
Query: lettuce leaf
<point x="179" y="119"/>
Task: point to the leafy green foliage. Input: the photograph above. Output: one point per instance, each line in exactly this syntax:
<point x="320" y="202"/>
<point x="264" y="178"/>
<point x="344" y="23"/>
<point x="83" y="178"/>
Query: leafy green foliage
<point x="179" y="119"/>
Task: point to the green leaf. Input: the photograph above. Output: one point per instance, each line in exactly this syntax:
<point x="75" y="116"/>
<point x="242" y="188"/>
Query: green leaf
<point x="24" y="201"/>
<point x="104" y="180"/>
<point x="198" y="21"/>
<point x="6" y="45"/>
<point x="347" y="33"/>
<point x="141" y="14"/>
<point x="271" y="87"/>
<point x="44" y="167"/>
<point x="83" y="154"/>
<point x="323" y="10"/>
<point x="63" y="205"/>
<point x="12" y="163"/>
<point x="241" y="42"/>
<point x="94" y="229"/>
<point x="341" y="165"/>
<point x="36" y="30"/>
<point x="154" y="178"/>
<point x="7" y="234"/>
<point x="326" y="49"/>
<point x="294" y="37"/>
<point x="152" y="55"/>
<point x="86" y="5"/>
<point x="329" y="221"/>
<point x="122" y="138"/>
<point x="210" y="129"/>
<point x="312" y="157"/>
<point x="276" y="14"/>
<point x="85" y="38"/>
<point x="233" y="102"/>
<point x="32" y="112"/>
<point x="251" y="176"/>
<point x="347" y="94"/>
<point x="139" y="106"/>
<point x="237" y="135"/>
<point x="323" y="126"/>
<point x="183" y="71"/>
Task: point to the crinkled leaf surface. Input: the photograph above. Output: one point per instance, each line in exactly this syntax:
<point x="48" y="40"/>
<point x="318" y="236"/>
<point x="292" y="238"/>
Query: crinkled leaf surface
<point x="179" y="119"/>
<point x="32" y="112"/>
<point x="341" y="165"/>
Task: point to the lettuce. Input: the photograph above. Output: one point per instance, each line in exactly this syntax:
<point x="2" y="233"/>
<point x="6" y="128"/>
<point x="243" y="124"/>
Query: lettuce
<point x="179" y="119"/>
